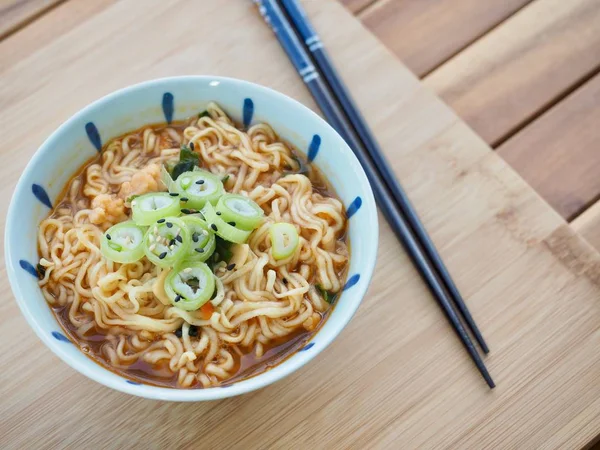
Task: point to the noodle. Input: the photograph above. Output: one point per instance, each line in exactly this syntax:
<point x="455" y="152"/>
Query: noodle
<point x="119" y="312"/>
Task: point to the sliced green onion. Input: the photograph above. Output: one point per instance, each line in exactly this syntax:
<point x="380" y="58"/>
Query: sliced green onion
<point x="199" y="187"/>
<point x="166" y="178"/>
<point x="222" y="228"/>
<point x="242" y="211"/>
<point x="167" y="241"/>
<point x="190" y="285"/>
<point x="123" y="242"/>
<point x="284" y="240"/>
<point x="329" y="297"/>
<point x="148" y="208"/>
<point x="203" y="241"/>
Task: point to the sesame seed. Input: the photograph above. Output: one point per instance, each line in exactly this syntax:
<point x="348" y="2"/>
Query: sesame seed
<point x="285" y="281"/>
<point x="195" y="237"/>
<point x="152" y="247"/>
<point x="200" y="182"/>
<point x="214" y="227"/>
<point x="187" y="270"/>
<point x="177" y="298"/>
<point x="173" y="194"/>
<point x="162" y="255"/>
<point x="155" y="231"/>
<point x="108" y="237"/>
<point x="171" y="247"/>
<point x="172" y="242"/>
<point x="186" y="211"/>
<point x="160" y="220"/>
<point x="179" y="239"/>
<point x="231" y="267"/>
<point x="218" y="213"/>
<point x="199" y="250"/>
<point x="192" y="146"/>
<point x="231" y="223"/>
<point x="178" y="333"/>
<point x="169" y="225"/>
<point x="193" y="331"/>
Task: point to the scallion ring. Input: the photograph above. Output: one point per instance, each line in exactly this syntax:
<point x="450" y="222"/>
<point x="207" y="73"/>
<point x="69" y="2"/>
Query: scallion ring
<point x="199" y="187"/>
<point x="203" y="241"/>
<point x="148" y="208"/>
<point x="222" y="228"/>
<point x="123" y="242"/>
<point x="190" y="285"/>
<point x="167" y="242"/>
<point x="241" y="210"/>
<point x="284" y="240"/>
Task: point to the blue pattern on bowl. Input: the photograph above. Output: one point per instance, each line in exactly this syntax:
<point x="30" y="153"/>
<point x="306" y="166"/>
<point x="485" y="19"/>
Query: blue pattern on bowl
<point x="307" y="347"/>
<point x="248" y="112"/>
<point x="60" y="337"/>
<point x="167" y="106"/>
<point x="313" y="148"/>
<point x="354" y="206"/>
<point x="28" y="267"/>
<point x="135" y="383"/>
<point x="93" y="135"/>
<point x="41" y="195"/>
<point x="351" y="281"/>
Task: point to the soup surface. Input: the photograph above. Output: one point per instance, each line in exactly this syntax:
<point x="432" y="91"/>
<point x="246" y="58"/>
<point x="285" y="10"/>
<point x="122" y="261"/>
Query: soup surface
<point x="160" y="273"/>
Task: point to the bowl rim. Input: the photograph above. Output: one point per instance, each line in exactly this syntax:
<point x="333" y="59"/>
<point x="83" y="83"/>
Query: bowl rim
<point x="281" y="370"/>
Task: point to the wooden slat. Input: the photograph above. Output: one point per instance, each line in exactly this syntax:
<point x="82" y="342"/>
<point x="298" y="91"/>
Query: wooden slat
<point x="16" y="13"/>
<point x="425" y="33"/>
<point x="512" y="73"/>
<point x="588" y="224"/>
<point x="559" y="153"/>
<point x="70" y="16"/>
<point x="356" y="5"/>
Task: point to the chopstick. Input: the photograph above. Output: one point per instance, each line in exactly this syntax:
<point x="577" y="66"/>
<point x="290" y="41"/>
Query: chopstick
<point x="286" y="36"/>
<point x="307" y="33"/>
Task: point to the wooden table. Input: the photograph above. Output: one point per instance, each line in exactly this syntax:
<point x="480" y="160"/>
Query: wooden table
<point x="522" y="74"/>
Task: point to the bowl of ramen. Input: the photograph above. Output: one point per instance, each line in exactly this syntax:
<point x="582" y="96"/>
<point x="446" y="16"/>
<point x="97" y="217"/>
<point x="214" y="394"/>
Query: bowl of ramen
<point x="191" y="238"/>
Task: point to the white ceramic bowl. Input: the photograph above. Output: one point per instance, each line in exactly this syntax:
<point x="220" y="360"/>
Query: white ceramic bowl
<point x="78" y="140"/>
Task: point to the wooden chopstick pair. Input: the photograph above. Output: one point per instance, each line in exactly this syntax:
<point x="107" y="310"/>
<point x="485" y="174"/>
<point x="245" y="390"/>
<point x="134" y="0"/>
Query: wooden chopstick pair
<point x="338" y="108"/>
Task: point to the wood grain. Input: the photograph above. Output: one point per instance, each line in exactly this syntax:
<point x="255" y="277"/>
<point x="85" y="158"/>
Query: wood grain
<point x="518" y="69"/>
<point x="588" y="225"/>
<point x="15" y="13"/>
<point x="425" y="33"/>
<point x="397" y="377"/>
<point x="558" y="153"/>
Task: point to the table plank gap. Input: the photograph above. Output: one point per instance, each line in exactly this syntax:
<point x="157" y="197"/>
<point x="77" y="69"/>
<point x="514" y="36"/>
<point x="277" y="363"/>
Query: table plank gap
<point x="424" y="34"/>
<point x="517" y="69"/>
<point x="16" y="14"/>
<point x="356" y="7"/>
<point x="552" y="102"/>
<point x="557" y="153"/>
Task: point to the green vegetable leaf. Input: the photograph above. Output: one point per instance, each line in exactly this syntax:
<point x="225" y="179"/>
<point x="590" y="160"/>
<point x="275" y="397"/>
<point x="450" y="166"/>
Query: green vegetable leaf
<point x="203" y="114"/>
<point x="130" y="199"/>
<point x="188" y="159"/>
<point x="41" y="271"/>
<point x="329" y="297"/>
<point x="222" y="253"/>
<point x="224" y="179"/>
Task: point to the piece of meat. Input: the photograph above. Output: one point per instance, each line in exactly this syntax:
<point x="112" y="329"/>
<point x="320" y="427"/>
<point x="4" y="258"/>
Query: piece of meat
<point x="107" y="209"/>
<point x="143" y="181"/>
